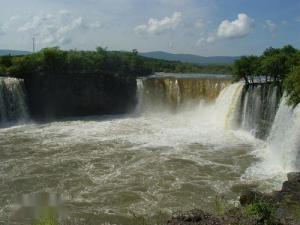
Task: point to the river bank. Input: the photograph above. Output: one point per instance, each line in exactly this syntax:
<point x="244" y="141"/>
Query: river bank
<point x="275" y="208"/>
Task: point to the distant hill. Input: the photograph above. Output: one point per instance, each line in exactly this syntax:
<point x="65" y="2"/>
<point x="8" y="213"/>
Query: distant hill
<point x="13" y="52"/>
<point x="188" y="58"/>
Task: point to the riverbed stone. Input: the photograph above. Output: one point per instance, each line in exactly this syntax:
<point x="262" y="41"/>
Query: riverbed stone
<point x="194" y="217"/>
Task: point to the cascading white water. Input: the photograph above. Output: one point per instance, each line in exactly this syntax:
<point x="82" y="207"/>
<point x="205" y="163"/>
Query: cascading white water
<point x="221" y="111"/>
<point x="12" y="100"/>
<point x="165" y="93"/>
<point x="283" y="144"/>
<point x="258" y="108"/>
<point x="227" y="103"/>
<point x="140" y="95"/>
<point x="252" y="109"/>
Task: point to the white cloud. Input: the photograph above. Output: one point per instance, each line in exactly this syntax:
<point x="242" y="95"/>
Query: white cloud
<point x="199" y="24"/>
<point x="96" y="24"/>
<point x="238" y="28"/>
<point x="210" y="39"/>
<point x="13" y="19"/>
<point x="269" y="24"/>
<point x="155" y="26"/>
<point x="55" y="29"/>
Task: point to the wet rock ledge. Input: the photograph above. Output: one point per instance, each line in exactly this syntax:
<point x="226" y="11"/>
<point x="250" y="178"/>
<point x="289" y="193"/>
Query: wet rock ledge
<point x="256" y="208"/>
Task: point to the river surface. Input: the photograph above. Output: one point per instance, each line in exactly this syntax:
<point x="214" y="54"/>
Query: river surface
<point x="110" y="169"/>
<point x="181" y="149"/>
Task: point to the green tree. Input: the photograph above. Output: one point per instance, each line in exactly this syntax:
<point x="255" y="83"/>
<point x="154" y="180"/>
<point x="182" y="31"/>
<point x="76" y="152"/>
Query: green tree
<point x="292" y="86"/>
<point x="6" y="61"/>
<point x="54" y="60"/>
<point x="275" y="67"/>
<point x="246" y="68"/>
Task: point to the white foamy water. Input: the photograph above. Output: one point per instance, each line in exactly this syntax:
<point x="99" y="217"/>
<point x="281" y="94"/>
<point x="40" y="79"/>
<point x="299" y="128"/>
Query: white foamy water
<point x="106" y="168"/>
<point x="280" y="153"/>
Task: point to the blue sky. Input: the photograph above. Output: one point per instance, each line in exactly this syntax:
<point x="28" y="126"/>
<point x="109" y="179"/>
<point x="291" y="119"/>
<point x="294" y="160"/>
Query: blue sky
<point x="203" y="27"/>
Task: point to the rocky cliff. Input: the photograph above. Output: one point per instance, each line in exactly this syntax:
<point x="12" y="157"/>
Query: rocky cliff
<point x="64" y="95"/>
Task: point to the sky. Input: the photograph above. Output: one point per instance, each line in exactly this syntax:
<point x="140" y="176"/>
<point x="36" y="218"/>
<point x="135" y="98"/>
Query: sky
<point x="202" y="27"/>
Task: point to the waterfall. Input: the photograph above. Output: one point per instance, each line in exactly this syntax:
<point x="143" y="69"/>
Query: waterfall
<point x="258" y="109"/>
<point x="227" y="104"/>
<point x="157" y="93"/>
<point x="13" y="106"/>
<point x="140" y="94"/>
<point x="259" y="104"/>
<point x="283" y="143"/>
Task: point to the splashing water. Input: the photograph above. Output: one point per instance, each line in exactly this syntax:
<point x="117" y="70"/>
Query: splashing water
<point x="280" y="153"/>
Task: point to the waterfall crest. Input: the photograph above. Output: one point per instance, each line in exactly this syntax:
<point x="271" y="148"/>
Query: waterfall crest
<point x="13" y="106"/>
<point x="227" y="103"/>
<point x="172" y="92"/>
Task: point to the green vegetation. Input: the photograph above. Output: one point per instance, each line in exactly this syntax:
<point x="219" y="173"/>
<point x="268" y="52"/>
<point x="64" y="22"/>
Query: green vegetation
<point x="101" y="61"/>
<point x="220" y="205"/>
<point x="56" y="61"/>
<point x="262" y="212"/>
<point x="292" y="86"/>
<point x="158" y="65"/>
<point x="47" y="221"/>
<point x="276" y="65"/>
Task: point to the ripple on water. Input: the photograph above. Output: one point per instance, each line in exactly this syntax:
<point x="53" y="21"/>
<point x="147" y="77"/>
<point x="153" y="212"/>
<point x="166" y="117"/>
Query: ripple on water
<point x="108" y="169"/>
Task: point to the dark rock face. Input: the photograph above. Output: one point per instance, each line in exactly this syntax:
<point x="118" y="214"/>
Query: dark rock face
<point x="64" y="95"/>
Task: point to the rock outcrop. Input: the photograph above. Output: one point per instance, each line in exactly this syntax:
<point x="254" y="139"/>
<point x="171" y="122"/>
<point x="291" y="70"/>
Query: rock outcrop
<point x="277" y="208"/>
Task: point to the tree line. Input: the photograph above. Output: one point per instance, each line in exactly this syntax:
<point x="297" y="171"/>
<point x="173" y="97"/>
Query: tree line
<point x="100" y="61"/>
<point x="280" y="66"/>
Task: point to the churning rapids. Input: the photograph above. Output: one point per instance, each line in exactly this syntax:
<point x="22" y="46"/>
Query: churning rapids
<point x="188" y="141"/>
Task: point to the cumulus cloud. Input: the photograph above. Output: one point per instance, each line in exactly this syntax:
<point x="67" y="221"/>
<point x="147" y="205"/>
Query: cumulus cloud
<point x="238" y="28"/>
<point x="269" y="24"/>
<point x="155" y="26"/>
<point x="55" y="29"/>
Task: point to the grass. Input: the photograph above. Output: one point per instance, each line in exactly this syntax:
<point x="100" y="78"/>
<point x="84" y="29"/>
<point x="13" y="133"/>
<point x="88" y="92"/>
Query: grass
<point x="220" y="205"/>
<point x="262" y="212"/>
<point x="47" y="221"/>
